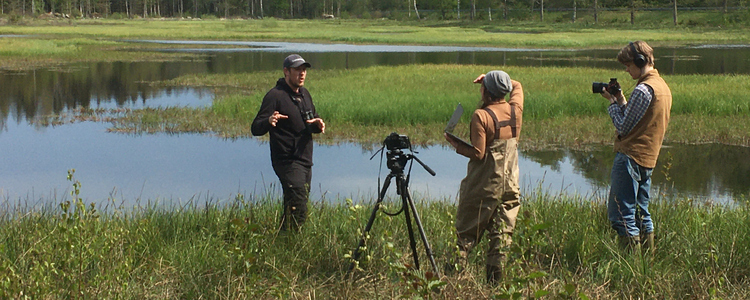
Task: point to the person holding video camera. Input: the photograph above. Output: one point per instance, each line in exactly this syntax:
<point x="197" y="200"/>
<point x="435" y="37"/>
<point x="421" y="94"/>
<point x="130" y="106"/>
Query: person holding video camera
<point x="288" y="115"/>
<point x="640" y="124"/>
<point x="489" y="197"/>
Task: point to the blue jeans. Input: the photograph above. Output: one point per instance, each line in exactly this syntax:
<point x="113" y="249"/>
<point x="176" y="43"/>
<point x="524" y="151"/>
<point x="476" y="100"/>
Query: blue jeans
<point x="627" y="207"/>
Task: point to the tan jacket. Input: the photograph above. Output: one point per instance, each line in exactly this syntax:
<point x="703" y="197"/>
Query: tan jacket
<point x="483" y="127"/>
<point x="644" y="141"/>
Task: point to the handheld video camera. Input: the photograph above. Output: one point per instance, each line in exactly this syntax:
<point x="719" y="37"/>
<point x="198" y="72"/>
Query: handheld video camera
<point x="613" y="87"/>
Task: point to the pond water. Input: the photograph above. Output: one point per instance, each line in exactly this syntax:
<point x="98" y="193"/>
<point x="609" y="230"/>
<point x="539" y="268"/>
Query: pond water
<point x="176" y="168"/>
<point x="699" y="59"/>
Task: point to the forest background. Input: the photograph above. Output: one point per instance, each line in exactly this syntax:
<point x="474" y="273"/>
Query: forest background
<point x="582" y="11"/>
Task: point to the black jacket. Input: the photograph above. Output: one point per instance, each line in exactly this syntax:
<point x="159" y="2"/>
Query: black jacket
<point x="291" y="139"/>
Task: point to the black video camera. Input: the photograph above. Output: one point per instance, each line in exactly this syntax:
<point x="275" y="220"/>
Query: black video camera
<point x="396" y="141"/>
<point x="613" y="87"/>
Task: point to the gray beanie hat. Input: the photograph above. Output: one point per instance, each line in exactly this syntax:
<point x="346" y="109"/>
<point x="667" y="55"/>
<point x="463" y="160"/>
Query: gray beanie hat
<point x="497" y="83"/>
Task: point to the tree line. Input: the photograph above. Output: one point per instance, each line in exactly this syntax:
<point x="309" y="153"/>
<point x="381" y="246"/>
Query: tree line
<point x="397" y="9"/>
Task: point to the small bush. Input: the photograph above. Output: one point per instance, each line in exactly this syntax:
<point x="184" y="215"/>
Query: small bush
<point x="269" y="23"/>
<point x="14" y="18"/>
<point x="118" y="16"/>
<point x="397" y="15"/>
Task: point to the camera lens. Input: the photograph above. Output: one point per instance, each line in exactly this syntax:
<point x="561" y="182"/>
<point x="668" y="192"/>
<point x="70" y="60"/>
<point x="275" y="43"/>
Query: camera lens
<point x="598" y="87"/>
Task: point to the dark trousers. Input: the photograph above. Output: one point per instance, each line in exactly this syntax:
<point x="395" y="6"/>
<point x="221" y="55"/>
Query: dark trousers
<point x="295" y="182"/>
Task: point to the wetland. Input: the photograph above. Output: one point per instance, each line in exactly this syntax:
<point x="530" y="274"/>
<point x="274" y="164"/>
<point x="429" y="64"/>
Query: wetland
<point x="172" y="199"/>
<point x="131" y="167"/>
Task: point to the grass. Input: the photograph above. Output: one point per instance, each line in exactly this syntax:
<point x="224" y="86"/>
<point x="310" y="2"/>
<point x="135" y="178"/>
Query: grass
<point x="614" y="29"/>
<point x="48" y="42"/>
<point x="559" y="108"/>
<point x="23" y="53"/>
<point x="231" y="250"/>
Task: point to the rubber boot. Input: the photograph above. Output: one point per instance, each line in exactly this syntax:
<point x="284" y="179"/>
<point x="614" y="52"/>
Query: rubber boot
<point x="628" y="243"/>
<point x="494" y="275"/>
<point x="647" y="243"/>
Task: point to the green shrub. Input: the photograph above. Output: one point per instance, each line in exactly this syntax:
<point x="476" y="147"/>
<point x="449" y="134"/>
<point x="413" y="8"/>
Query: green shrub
<point x="118" y="16"/>
<point x="269" y="22"/>
<point x="14" y="18"/>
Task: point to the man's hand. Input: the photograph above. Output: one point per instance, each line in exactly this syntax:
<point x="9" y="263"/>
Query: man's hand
<point x="319" y="122"/>
<point x="274" y="118"/>
<point x="607" y="96"/>
<point x="619" y="98"/>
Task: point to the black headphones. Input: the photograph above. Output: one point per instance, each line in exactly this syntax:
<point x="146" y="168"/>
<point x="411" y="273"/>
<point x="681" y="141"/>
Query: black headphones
<point x="638" y="59"/>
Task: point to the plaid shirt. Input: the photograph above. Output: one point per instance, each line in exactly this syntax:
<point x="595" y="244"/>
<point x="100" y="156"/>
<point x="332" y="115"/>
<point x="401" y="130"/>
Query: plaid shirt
<point x="624" y="117"/>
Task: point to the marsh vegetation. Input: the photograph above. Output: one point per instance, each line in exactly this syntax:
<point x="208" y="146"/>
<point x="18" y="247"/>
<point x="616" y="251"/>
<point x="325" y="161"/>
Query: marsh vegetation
<point x="366" y="104"/>
<point x="562" y="249"/>
<point x="231" y="250"/>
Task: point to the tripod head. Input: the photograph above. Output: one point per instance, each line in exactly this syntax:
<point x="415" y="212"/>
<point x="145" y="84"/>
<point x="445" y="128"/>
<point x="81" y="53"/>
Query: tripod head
<point x="396" y="161"/>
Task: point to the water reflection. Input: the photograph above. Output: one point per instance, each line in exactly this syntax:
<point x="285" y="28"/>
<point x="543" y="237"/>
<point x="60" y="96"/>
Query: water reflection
<point x="35" y="160"/>
<point x="181" y="167"/>
<point x="702" y="59"/>
<point x="26" y="95"/>
<point x="708" y="171"/>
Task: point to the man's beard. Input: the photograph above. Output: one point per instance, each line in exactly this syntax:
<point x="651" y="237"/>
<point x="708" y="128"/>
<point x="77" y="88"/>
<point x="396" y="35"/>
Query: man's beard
<point x="295" y="84"/>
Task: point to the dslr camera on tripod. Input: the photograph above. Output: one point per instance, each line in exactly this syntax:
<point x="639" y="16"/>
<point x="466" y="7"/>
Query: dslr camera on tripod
<point x="396" y="141"/>
<point x="613" y="87"/>
<point x="397" y="161"/>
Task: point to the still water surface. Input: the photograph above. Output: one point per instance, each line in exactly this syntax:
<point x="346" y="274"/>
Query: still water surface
<point x="180" y="167"/>
<point x="131" y="168"/>
<point x="28" y="94"/>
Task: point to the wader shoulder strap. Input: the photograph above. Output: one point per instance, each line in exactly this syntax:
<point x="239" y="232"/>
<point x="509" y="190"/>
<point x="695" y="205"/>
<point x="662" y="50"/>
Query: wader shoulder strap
<point x="498" y="124"/>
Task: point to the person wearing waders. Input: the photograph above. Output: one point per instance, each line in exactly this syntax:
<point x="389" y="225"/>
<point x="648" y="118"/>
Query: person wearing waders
<point x="489" y="197"/>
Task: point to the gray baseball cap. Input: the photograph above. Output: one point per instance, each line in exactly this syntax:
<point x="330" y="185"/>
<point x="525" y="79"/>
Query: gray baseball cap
<point x="497" y="83"/>
<point x="294" y="60"/>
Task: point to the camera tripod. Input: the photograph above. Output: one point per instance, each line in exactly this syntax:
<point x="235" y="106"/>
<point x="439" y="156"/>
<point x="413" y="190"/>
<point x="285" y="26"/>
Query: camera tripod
<point x="396" y="162"/>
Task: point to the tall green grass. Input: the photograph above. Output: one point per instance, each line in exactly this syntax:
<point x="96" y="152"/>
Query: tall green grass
<point x="424" y="94"/>
<point x="366" y="104"/>
<point x="35" y="51"/>
<point x="613" y="30"/>
<point x="230" y="249"/>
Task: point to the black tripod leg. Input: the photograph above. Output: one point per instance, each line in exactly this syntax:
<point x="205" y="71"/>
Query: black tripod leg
<point x="381" y="196"/>
<point x="404" y="199"/>
<point x="413" y="209"/>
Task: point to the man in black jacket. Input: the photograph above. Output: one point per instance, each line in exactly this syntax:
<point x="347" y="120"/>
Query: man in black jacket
<point x="288" y="114"/>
